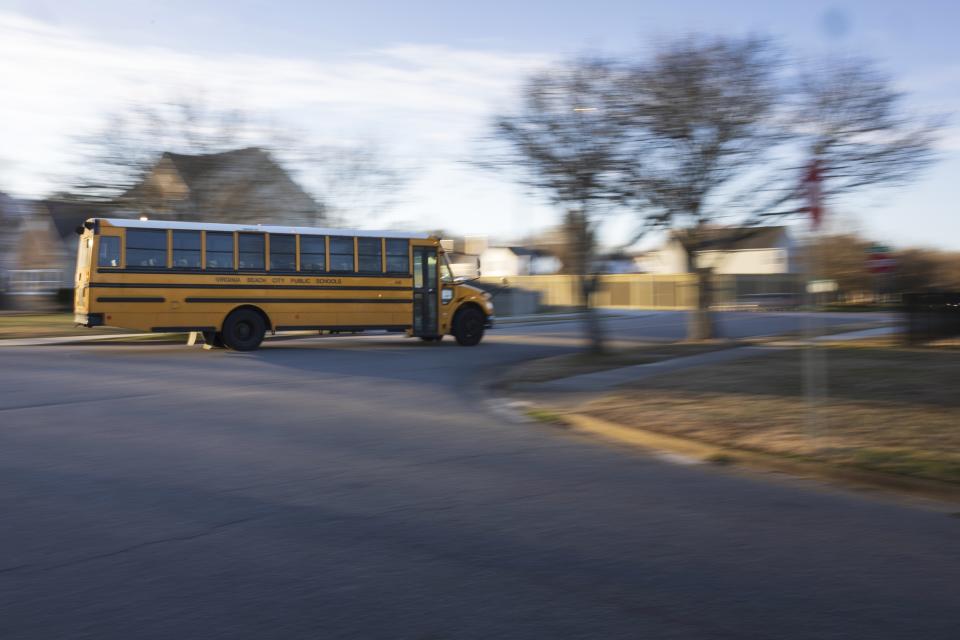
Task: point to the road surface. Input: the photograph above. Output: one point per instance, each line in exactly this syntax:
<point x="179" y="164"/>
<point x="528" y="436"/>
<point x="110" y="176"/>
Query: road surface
<point x="359" y="488"/>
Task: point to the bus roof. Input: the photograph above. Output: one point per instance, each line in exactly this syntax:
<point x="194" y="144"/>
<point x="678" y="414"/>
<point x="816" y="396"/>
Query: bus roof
<point x="262" y="228"/>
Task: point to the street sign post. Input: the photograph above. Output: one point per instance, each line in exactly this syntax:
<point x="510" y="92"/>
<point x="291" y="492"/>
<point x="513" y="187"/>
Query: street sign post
<point x="879" y="259"/>
<point x="881" y="264"/>
<point x="814" y="364"/>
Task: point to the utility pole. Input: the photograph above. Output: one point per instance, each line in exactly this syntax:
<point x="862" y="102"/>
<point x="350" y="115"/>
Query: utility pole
<point x="814" y="358"/>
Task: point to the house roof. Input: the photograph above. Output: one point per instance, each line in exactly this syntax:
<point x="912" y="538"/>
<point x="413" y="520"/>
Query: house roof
<point x="67" y="216"/>
<point x="527" y="251"/>
<point x="206" y="175"/>
<point x="741" y="238"/>
<point x="194" y="167"/>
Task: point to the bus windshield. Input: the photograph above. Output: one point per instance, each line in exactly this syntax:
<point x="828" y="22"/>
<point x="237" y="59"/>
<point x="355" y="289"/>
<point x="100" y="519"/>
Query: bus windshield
<point x="446" y="274"/>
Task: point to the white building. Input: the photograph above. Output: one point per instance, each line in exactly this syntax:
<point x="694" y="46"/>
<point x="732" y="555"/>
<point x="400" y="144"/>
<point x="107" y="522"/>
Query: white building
<point x="766" y="250"/>
<point x="472" y="253"/>
<point x="500" y="262"/>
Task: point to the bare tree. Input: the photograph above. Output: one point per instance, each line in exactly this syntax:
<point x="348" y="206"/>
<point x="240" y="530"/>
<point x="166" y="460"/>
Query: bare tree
<point x="709" y="139"/>
<point x="701" y="116"/>
<point x="843" y="259"/>
<point x="350" y="180"/>
<point x="721" y="142"/>
<point x="566" y="145"/>
<point x="359" y="181"/>
<point x="115" y="157"/>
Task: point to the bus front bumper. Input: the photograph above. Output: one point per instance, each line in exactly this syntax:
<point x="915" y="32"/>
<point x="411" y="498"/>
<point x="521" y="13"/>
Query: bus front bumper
<point x="489" y="323"/>
<point x="88" y="319"/>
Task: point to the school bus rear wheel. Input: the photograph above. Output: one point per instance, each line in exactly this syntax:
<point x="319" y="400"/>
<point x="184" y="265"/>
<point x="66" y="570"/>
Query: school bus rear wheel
<point x="243" y="330"/>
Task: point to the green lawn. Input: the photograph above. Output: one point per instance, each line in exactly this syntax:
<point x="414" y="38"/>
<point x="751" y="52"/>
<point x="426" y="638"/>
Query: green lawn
<point x="40" y="325"/>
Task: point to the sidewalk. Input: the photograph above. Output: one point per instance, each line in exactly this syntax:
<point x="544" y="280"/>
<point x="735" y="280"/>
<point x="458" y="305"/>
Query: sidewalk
<point x="599" y="381"/>
<point x="54" y="340"/>
<point x="603" y="380"/>
<point x="548" y="318"/>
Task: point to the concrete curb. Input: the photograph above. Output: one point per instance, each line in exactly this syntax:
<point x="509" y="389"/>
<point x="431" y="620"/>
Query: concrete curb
<point x="850" y="477"/>
<point x="58" y="340"/>
<point x="555" y="318"/>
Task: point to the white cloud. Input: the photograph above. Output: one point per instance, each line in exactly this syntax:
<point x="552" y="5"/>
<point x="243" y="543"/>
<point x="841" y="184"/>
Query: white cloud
<point x="423" y="101"/>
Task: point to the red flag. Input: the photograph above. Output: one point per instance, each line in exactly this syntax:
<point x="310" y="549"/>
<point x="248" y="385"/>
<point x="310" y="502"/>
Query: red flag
<point x="814" y="198"/>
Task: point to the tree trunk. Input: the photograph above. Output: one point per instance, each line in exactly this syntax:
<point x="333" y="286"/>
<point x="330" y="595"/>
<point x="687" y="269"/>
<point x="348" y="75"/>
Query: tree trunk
<point x="580" y="244"/>
<point x="700" y="324"/>
<point x="592" y="322"/>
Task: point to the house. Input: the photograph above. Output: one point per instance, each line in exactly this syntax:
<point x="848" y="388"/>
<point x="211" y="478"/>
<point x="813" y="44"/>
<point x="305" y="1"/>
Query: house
<point x="12" y="215"/>
<point x="616" y="262"/>
<point x="44" y="258"/>
<point x="243" y="185"/>
<point x="464" y="254"/>
<point x="472" y="254"/>
<point x="36" y="258"/>
<point x="761" y="250"/>
<point x="517" y="261"/>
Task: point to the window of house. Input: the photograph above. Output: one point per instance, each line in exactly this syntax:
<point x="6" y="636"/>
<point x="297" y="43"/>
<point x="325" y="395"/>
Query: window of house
<point x="398" y="255"/>
<point x="370" y="255"/>
<point x="313" y="253"/>
<point x="186" y="249"/>
<point x="252" y="251"/>
<point x="219" y="250"/>
<point x="341" y="254"/>
<point x="147" y="248"/>
<point x="109" y="253"/>
<point x="283" y="253"/>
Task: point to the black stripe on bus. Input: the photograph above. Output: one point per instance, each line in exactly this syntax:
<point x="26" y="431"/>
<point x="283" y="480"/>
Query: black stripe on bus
<point x="333" y="327"/>
<point x="307" y="300"/>
<point x="130" y="299"/>
<point x="233" y="272"/>
<point x="292" y="287"/>
<point x="181" y="329"/>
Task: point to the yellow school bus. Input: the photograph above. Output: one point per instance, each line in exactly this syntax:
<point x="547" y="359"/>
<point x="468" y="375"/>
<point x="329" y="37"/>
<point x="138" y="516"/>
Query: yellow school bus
<point x="235" y="282"/>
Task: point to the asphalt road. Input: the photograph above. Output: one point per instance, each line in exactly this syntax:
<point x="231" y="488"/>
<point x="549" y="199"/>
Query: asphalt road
<point x="359" y="488"/>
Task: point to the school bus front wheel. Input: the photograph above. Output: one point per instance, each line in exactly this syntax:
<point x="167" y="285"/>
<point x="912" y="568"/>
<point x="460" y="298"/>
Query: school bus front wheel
<point x="468" y="326"/>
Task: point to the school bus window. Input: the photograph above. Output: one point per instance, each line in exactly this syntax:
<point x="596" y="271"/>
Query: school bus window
<point x="252" y="251"/>
<point x="147" y="248"/>
<point x="109" y="254"/>
<point x="313" y="253"/>
<point x="398" y="255"/>
<point x="369" y="255"/>
<point x="219" y="250"/>
<point x="186" y="249"/>
<point x="283" y="252"/>
<point x="341" y="254"/>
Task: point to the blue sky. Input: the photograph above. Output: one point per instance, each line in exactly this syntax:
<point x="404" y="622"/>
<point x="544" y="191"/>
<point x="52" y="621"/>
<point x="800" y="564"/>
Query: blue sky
<point x="423" y="78"/>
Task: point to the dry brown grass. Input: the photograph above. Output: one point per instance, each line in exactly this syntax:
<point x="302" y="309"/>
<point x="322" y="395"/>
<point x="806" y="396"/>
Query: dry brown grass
<point x="894" y="410"/>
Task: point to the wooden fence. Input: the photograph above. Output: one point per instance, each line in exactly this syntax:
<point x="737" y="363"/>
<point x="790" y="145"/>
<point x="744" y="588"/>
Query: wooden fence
<point x="646" y="291"/>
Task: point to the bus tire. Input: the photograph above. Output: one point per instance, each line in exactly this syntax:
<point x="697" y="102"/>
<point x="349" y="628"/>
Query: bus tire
<point x="243" y="330"/>
<point x="431" y="338"/>
<point x="468" y="326"/>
